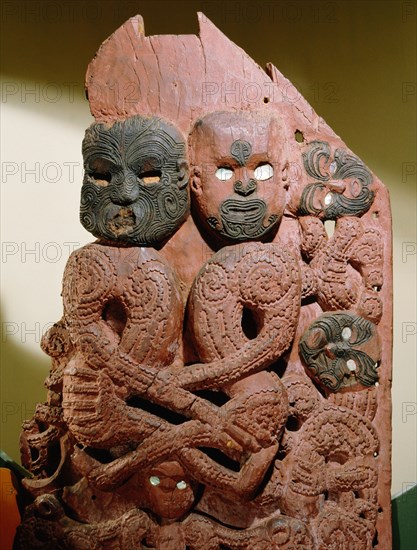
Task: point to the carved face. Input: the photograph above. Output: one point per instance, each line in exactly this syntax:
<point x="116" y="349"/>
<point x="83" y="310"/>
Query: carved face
<point x="135" y="183"/>
<point x="343" y="186"/>
<point x="341" y="350"/>
<point x="169" y="491"/>
<point x="238" y="188"/>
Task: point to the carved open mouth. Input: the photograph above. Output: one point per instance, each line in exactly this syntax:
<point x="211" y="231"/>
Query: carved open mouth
<point x="243" y="212"/>
<point x="243" y="219"/>
<point x="123" y="222"/>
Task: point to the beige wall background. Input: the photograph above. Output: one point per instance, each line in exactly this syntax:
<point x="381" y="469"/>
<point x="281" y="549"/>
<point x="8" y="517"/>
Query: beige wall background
<point x="354" y="61"/>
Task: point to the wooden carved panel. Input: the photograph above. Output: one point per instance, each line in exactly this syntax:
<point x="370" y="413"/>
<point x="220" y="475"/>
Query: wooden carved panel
<point x="221" y="374"/>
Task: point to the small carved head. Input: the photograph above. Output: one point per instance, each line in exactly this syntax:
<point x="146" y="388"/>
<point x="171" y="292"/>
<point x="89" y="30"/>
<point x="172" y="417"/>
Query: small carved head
<point x="135" y="187"/>
<point x="169" y="490"/>
<point x="342" y="186"/>
<point x="342" y="351"/>
<point x="238" y="179"/>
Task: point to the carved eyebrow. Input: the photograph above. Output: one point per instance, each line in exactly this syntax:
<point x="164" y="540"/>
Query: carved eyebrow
<point x="103" y="144"/>
<point x="162" y="148"/>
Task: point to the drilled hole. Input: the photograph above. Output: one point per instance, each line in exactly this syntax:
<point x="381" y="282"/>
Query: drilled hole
<point x="299" y="136"/>
<point x="293" y="424"/>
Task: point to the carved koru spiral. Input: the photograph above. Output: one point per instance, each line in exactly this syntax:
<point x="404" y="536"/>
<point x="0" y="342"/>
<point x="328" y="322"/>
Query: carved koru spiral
<point x="244" y="304"/>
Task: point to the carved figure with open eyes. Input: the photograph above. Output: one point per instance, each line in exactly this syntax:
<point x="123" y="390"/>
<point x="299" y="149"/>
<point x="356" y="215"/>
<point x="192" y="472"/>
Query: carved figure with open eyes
<point x="238" y="181"/>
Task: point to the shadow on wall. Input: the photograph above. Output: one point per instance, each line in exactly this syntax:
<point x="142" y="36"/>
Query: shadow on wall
<point x="22" y="386"/>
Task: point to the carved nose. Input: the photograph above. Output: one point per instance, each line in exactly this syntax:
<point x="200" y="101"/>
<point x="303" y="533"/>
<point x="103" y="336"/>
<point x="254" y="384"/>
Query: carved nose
<point x="244" y="190"/>
<point x="125" y="188"/>
<point x="338" y="349"/>
<point x="338" y="186"/>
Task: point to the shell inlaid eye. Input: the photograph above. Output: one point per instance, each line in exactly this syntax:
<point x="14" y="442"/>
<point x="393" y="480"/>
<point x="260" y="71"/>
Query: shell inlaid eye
<point x="181" y="485"/>
<point x="154" y="480"/>
<point x="351" y="365"/>
<point x="346" y="334"/>
<point x="328" y="199"/>
<point x="223" y="173"/>
<point x="263" y="172"/>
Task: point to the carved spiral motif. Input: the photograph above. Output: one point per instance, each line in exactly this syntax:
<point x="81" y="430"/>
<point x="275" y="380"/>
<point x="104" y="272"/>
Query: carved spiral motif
<point x="213" y="285"/>
<point x="266" y="279"/>
<point x="241" y="151"/>
<point x="88" y="278"/>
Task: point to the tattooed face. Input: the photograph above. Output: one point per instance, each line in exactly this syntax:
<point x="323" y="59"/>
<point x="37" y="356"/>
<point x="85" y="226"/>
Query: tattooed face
<point x="343" y="183"/>
<point x="341" y="350"/>
<point x="237" y="184"/>
<point x="135" y="183"/>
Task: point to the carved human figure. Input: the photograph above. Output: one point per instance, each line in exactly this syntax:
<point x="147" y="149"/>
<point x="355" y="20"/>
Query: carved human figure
<point x="232" y="365"/>
<point x="345" y="270"/>
<point x="255" y="399"/>
<point x="48" y="526"/>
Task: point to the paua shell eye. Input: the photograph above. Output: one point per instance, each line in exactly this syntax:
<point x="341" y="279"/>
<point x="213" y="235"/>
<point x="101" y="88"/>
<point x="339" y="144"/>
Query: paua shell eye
<point x="264" y="172"/>
<point x="154" y="480"/>
<point x="223" y="173"/>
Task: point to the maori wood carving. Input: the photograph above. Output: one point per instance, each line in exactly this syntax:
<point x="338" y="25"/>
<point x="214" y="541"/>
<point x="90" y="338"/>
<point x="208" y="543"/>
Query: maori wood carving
<point x="221" y="374"/>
